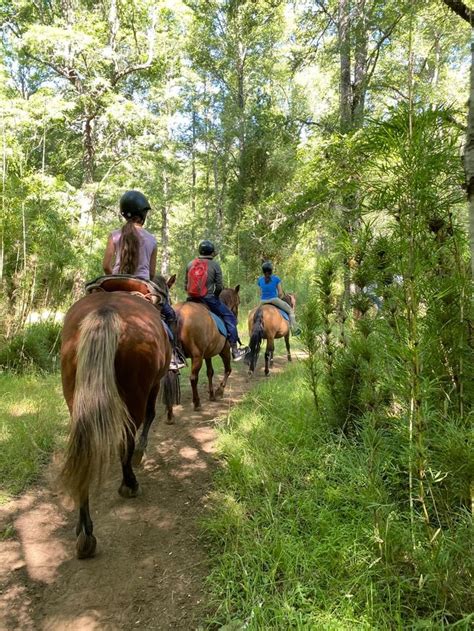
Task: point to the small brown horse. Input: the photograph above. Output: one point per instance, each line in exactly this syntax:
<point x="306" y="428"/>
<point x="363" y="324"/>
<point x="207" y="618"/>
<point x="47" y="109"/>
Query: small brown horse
<point x="201" y="340"/>
<point x="266" y="322"/>
<point x="114" y="354"/>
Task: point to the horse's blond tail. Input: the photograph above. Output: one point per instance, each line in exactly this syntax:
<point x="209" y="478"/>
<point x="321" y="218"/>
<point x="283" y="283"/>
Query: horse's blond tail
<point x="100" y="420"/>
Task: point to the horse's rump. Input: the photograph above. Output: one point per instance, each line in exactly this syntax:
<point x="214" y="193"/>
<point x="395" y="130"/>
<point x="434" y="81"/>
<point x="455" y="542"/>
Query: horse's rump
<point x="198" y="331"/>
<point x="272" y="321"/>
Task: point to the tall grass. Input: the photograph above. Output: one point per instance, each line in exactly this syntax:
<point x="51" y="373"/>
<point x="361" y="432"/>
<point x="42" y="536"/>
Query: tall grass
<point x="309" y="531"/>
<point x="33" y="421"/>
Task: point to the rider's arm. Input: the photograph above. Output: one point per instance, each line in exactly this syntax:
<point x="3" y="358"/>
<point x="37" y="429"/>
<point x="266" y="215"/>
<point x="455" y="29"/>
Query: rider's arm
<point x="153" y="263"/>
<point x="218" y="285"/>
<point x="108" y="260"/>
<point x="280" y="291"/>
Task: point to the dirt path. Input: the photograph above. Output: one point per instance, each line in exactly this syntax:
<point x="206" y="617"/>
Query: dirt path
<point x="150" y="568"/>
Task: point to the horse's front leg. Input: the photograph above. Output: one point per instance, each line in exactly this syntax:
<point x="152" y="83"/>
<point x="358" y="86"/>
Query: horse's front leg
<point x="287" y="343"/>
<point x="86" y="542"/>
<point x="129" y="486"/>
<point x="140" y="447"/>
<point x="195" y="368"/>
<point x="225" y="355"/>
<point x="210" y="375"/>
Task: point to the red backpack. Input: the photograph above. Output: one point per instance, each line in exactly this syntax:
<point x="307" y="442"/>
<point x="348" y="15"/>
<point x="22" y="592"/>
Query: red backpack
<point x="197" y="279"/>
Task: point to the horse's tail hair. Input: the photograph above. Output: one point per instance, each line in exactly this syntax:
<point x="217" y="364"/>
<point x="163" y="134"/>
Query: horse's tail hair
<point x="100" y="420"/>
<point x="171" y="389"/>
<point x="256" y="338"/>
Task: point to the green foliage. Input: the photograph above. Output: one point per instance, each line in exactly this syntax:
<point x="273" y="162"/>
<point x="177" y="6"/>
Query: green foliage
<point x="33" y="422"/>
<point x="309" y="529"/>
<point x="37" y="347"/>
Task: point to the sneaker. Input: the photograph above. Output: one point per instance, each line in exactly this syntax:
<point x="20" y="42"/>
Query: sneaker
<point x="296" y="332"/>
<point x="239" y="353"/>
<point x="176" y="362"/>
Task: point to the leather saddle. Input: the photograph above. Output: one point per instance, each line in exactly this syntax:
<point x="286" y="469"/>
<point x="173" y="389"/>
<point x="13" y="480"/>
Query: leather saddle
<point x="146" y="289"/>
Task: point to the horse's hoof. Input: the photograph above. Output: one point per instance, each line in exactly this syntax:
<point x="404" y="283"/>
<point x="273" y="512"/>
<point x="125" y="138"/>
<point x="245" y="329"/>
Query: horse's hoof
<point x="169" y="420"/>
<point x="85" y="546"/>
<point x="197" y="406"/>
<point x="127" y="492"/>
<point x="137" y="456"/>
<point x="289" y="358"/>
<point x="212" y="397"/>
<point x="219" y="393"/>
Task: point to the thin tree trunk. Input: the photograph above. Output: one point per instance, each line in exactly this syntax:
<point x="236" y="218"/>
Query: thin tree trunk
<point x="469" y="158"/>
<point x="345" y="88"/>
<point x="165" y="253"/>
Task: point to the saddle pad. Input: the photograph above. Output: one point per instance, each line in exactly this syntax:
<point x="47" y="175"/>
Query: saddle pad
<point x="284" y="314"/>
<point x="219" y="323"/>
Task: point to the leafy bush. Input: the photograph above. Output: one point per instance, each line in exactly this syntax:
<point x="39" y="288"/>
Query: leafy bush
<point x="35" y="347"/>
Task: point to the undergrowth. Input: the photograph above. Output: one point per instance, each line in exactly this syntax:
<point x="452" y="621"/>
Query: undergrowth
<point x="33" y="422"/>
<point x="310" y="528"/>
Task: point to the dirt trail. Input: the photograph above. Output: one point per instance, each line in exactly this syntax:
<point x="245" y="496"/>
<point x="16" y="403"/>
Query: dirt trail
<point x="150" y="568"/>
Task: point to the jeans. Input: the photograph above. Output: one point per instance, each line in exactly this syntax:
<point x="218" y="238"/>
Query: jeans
<point x="284" y="306"/>
<point x="220" y="309"/>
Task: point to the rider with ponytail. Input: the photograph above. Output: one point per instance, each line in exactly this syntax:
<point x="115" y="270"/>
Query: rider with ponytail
<point x="132" y="250"/>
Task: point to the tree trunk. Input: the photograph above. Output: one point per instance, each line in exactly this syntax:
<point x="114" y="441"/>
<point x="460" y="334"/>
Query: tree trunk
<point x="345" y="88"/>
<point x="165" y="235"/>
<point x="360" y="67"/>
<point x="469" y="158"/>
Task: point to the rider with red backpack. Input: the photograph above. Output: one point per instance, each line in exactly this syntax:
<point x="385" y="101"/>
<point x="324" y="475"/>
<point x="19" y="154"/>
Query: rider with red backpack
<point x="203" y="283"/>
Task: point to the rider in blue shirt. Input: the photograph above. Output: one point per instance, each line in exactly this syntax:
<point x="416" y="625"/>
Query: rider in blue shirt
<point x="271" y="292"/>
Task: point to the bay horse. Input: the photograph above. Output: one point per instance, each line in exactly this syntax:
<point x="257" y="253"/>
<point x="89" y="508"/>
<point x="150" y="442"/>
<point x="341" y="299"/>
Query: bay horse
<point x="201" y="341"/>
<point x="114" y="353"/>
<point x="267" y="323"/>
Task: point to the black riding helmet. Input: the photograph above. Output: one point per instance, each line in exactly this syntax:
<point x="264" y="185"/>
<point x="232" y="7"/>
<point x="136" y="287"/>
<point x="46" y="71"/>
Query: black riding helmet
<point x="206" y="248"/>
<point x="134" y="204"/>
<point x="267" y="267"/>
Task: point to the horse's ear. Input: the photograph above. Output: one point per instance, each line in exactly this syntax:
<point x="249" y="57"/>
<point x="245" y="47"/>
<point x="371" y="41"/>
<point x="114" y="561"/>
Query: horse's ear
<point x="171" y="281"/>
<point x="237" y="289"/>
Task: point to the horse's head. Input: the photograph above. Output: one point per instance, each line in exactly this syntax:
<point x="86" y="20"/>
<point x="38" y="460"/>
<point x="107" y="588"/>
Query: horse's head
<point x="290" y="299"/>
<point x="231" y="298"/>
<point x="165" y="285"/>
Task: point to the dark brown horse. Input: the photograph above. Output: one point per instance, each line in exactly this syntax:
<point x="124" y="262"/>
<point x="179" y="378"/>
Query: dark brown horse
<point x="114" y="354"/>
<point x="201" y="341"/>
<point x="267" y="323"/>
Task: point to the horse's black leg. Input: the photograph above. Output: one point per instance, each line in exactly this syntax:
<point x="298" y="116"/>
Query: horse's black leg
<point x="86" y="542"/>
<point x="140" y="447"/>
<point x="195" y="368"/>
<point x="287" y="343"/>
<point x="225" y="355"/>
<point x="268" y="355"/>
<point x="129" y="486"/>
<point x="210" y="375"/>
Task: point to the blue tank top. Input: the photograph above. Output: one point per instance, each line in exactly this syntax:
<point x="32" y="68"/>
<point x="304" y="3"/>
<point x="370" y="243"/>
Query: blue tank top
<point x="269" y="290"/>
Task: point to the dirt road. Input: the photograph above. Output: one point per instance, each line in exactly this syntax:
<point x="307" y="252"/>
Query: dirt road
<point x="150" y="567"/>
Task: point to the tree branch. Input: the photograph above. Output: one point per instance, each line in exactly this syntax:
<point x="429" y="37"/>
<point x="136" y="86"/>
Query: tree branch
<point x="460" y="9"/>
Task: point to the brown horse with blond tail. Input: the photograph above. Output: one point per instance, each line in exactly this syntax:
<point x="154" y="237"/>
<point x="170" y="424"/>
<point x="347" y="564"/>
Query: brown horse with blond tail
<point x="201" y="341"/>
<point x="267" y="323"/>
<point x="114" y="354"/>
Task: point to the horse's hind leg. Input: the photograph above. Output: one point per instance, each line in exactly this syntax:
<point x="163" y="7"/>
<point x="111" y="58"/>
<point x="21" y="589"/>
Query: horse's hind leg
<point x="86" y="542"/>
<point x="195" y="368"/>
<point x="287" y="343"/>
<point x="129" y="486"/>
<point x="225" y="354"/>
<point x="210" y="375"/>
<point x="140" y="447"/>
<point x="269" y="355"/>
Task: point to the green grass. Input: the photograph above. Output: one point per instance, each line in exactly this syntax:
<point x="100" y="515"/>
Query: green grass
<point x="33" y="421"/>
<point x="304" y="537"/>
